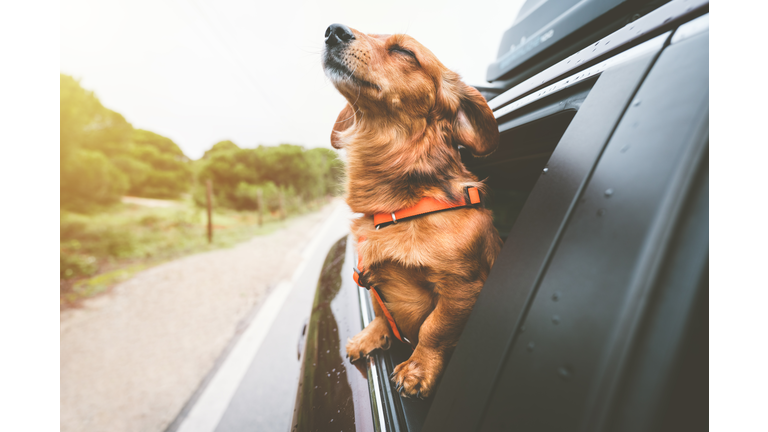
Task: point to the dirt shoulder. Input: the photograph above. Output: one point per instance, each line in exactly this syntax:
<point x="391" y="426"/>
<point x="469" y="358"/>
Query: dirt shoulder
<point x="131" y="358"/>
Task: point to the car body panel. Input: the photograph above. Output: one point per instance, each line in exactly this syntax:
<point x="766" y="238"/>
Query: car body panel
<point x="584" y="317"/>
<point x="472" y="372"/>
<point x="332" y="392"/>
<point x="663" y="389"/>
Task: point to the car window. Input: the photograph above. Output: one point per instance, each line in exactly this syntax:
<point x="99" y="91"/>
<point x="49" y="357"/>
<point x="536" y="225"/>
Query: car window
<point x="527" y="141"/>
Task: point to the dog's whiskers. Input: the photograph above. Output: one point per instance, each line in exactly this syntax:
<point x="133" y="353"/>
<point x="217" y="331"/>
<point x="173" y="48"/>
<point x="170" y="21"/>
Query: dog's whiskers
<point x="359" y="90"/>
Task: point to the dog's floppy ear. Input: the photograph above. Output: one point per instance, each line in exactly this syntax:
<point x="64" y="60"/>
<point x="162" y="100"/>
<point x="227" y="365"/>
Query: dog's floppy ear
<point x="475" y="126"/>
<point x="345" y="119"/>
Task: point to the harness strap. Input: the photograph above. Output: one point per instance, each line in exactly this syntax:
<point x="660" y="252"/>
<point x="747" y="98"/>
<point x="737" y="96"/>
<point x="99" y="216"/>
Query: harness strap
<point x="424" y="206"/>
<point x="427" y="205"/>
<point x="358" y="270"/>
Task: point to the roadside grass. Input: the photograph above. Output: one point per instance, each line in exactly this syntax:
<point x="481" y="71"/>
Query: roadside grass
<point x="100" y="250"/>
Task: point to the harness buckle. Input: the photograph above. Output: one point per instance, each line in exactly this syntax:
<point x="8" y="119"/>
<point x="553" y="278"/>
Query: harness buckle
<point x="468" y="195"/>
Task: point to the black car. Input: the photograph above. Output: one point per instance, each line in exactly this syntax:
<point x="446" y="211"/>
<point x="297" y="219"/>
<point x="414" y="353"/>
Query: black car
<point x="595" y="314"/>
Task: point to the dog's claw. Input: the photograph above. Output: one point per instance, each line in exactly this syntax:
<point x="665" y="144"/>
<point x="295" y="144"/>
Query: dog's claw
<point x="392" y="375"/>
<point x="418" y="394"/>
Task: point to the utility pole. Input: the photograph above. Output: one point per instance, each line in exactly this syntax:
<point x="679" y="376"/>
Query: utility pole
<point x="260" y="203"/>
<point x="208" y="189"/>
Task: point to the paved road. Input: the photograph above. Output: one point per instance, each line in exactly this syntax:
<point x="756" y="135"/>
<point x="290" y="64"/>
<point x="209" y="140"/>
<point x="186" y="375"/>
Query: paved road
<point x="254" y="387"/>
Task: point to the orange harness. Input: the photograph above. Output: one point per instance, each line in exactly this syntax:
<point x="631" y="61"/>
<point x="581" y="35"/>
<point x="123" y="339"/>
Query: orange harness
<point x="424" y="206"/>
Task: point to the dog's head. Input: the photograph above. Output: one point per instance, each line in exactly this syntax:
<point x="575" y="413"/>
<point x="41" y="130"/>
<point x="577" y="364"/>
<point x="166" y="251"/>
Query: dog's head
<point x="395" y="78"/>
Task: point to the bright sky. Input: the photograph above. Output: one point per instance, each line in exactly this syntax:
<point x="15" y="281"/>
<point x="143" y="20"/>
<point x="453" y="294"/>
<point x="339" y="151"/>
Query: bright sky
<point x="200" y="71"/>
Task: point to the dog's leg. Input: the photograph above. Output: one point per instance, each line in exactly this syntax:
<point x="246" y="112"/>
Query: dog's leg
<point x="376" y="335"/>
<point x="438" y="336"/>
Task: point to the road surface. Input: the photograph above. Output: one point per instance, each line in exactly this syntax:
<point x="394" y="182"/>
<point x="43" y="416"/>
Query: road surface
<point x="254" y="388"/>
<point x="204" y="342"/>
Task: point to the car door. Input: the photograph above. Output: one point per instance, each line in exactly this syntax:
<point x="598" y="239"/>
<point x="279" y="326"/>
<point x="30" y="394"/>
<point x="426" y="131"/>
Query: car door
<point x="594" y="306"/>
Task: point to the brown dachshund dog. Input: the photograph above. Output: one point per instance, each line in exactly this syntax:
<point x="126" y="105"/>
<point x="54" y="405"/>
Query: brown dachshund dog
<point x="405" y="118"/>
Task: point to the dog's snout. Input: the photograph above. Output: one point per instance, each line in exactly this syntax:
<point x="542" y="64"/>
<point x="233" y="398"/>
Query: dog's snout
<point x="338" y="33"/>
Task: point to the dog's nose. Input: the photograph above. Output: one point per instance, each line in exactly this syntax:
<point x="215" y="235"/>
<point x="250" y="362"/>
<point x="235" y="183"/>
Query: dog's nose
<point x="338" y="33"/>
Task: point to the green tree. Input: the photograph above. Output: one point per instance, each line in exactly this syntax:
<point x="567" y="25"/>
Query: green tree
<point x="104" y="157"/>
<point x="221" y="146"/>
<point x="299" y="173"/>
<point x="88" y="178"/>
<point x="169" y="174"/>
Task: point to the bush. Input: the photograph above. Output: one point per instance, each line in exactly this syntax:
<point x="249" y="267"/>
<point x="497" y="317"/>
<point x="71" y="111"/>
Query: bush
<point x="75" y="265"/>
<point x="89" y="179"/>
<point x="84" y="235"/>
<point x="247" y="196"/>
<point x="136" y="170"/>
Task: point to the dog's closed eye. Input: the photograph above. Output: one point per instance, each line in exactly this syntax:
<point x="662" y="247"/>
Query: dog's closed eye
<point x="403" y="51"/>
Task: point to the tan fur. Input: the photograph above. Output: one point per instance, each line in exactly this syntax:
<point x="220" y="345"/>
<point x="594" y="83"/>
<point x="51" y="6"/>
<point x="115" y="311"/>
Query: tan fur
<point x="401" y="128"/>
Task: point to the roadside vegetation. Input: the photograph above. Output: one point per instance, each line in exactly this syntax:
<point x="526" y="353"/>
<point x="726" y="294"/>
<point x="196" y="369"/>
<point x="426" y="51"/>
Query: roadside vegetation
<point x="104" y="240"/>
<point x="101" y="249"/>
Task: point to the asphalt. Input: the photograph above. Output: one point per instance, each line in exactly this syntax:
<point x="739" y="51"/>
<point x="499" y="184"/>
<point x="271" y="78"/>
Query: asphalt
<point x="253" y="385"/>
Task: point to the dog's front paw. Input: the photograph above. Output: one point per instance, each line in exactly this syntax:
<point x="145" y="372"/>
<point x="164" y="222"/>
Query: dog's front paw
<point x="370" y="339"/>
<point x="414" y="378"/>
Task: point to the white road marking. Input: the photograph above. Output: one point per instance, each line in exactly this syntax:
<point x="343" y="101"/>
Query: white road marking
<point x="206" y="414"/>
